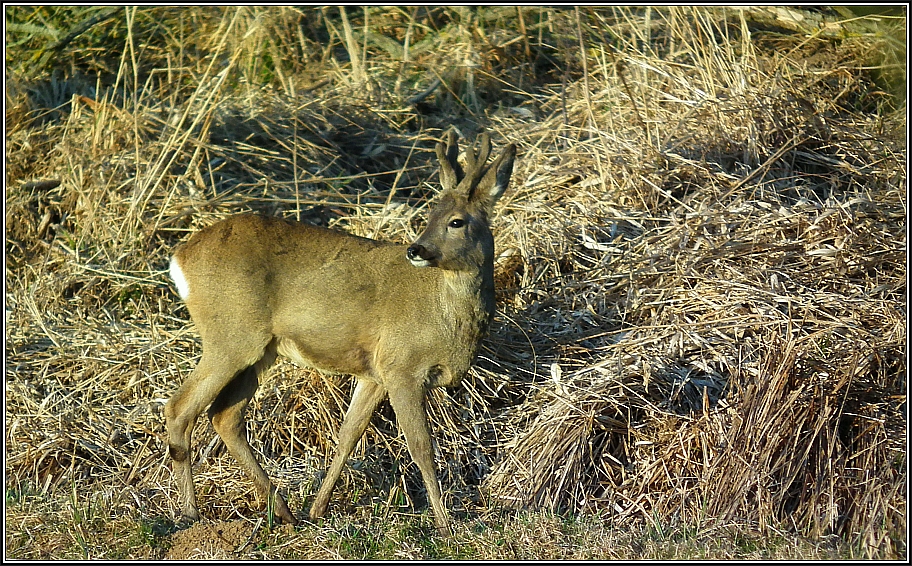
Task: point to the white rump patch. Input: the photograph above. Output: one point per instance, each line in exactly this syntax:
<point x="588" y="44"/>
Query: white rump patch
<point x="183" y="288"/>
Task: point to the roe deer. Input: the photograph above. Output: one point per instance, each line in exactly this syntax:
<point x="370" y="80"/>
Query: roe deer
<point x="400" y="318"/>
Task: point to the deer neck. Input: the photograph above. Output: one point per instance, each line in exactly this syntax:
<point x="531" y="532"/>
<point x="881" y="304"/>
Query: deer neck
<point x="467" y="300"/>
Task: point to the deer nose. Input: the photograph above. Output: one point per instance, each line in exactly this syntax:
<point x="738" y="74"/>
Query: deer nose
<point x="415" y="252"/>
<point x="420" y="256"/>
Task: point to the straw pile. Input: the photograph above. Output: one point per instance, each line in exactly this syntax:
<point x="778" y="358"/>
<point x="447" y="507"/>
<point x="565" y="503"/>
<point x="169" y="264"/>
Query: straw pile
<point x="701" y="273"/>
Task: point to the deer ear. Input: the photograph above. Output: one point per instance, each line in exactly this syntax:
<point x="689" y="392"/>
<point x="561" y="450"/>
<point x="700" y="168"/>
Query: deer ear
<point x="450" y="171"/>
<point x="447" y="175"/>
<point x="496" y="179"/>
<point x="485" y="150"/>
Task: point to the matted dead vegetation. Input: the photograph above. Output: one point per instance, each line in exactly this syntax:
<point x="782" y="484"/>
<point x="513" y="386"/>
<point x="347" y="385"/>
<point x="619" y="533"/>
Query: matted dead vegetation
<point x="701" y="260"/>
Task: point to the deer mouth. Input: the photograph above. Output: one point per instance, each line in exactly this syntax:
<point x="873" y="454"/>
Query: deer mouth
<point x="420" y="256"/>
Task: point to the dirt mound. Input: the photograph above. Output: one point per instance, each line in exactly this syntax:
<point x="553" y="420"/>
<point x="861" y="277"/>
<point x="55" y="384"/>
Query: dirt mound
<point x="215" y="540"/>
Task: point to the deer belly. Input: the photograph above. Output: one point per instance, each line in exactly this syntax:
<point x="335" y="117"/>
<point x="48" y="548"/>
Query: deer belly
<point x="353" y="360"/>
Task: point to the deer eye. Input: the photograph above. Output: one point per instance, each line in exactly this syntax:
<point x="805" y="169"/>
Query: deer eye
<point x="456" y="223"/>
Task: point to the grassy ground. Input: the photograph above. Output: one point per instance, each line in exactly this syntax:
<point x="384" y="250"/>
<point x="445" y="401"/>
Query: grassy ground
<point x="700" y="342"/>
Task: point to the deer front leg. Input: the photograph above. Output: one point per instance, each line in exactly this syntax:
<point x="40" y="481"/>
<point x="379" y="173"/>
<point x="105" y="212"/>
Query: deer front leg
<point x="408" y="402"/>
<point x="364" y="401"/>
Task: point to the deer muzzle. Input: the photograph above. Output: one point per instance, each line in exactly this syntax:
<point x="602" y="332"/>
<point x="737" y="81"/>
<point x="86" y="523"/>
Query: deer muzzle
<point x="420" y="256"/>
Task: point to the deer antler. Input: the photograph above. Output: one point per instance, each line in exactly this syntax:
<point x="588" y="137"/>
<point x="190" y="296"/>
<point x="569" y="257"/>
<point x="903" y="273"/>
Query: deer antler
<point x="475" y="163"/>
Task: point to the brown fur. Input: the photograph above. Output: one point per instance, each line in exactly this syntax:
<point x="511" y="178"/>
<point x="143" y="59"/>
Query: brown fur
<point x="401" y="319"/>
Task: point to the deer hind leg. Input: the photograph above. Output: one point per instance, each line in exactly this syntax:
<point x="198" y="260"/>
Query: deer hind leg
<point x="214" y="372"/>
<point x="227" y="416"/>
<point x="408" y="403"/>
<point x="363" y="404"/>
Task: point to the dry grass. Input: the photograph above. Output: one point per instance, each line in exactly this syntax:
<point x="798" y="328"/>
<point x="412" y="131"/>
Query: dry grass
<point x="700" y="347"/>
